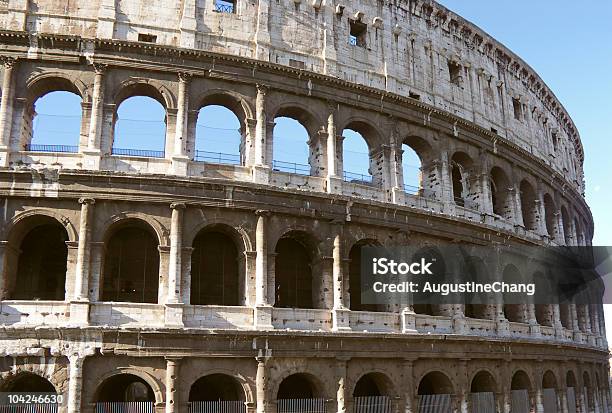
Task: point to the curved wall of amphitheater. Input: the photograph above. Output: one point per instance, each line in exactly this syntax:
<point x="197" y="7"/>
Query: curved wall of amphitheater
<point x="414" y="73"/>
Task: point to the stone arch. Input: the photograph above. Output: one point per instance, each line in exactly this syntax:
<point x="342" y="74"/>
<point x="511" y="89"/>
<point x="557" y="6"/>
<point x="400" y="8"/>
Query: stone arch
<point x="161" y="232"/>
<point x="20" y="219"/>
<point x="570" y="379"/>
<point x="529" y="207"/>
<point x="247" y="391"/>
<point x="439" y="268"/>
<point x="483" y="380"/>
<point x="501" y="198"/>
<point x="238" y="233"/>
<point x="235" y="102"/>
<point x="27" y="381"/>
<point x="37" y="85"/>
<point x="217" y="387"/>
<point x="354" y="276"/>
<point x="550" y="211"/>
<point x="301" y="113"/>
<point x="144" y="87"/>
<point x="567" y="231"/>
<point x="370" y="133"/>
<point x="435" y="382"/>
<point x="475" y="268"/>
<point x="372" y="137"/>
<point x="549" y="380"/>
<point x="317" y="386"/>
<point x="460" y="169"/>
<point x="514" y="310"/>
<point x="155" y="386"/>
<point x="520" y="381"/>
<point x="379" y="378"/>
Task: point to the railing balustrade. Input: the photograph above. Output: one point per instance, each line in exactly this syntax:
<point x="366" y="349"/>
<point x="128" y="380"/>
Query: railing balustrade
<point x="357" y="178"/>
<point x="435" y="403"/>
<point x="29" y="408"/>
<point x="372" y="404"/>
<point x="483" y="402"/>
<point x="520" y="401"/>
<point x="138" y="152"/>
<point x="291" y="167"/>
<point x="217" y="157"/>
<point x="125" y="407"/>
<point x="217" y="407"/>
<point x="51" y="148"/>
<point x="224" y="7"/>
<point x="411" y="189"/>
<point x="301" y="406"/>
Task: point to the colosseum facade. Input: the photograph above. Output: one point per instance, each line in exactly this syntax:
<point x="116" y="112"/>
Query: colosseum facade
<point x="502" y="163"/>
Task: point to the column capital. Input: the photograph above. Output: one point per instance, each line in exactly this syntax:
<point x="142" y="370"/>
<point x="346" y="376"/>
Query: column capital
<point x="8" y="61"/>
<point x="173" y="358"/>
<point x="184" y="77"/>
<point x="87" y="201"/>
<point x="263" y="213"/>
<point x="178" y="205"/>
<point x="262" y="89"/>
<point x="99" y="68"/>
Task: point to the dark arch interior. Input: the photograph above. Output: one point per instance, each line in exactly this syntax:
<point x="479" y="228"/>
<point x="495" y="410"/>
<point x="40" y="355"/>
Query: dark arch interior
<point x="355" y="278"/>
<point x="438" y="268"/>
<point x="216" y="387"/>
<point x="514" y="311"/>
<point x="369" y="385"/>
<point x="131" y="265"/>
<point x="293" y="274"/>
<point x="435" y="383"/>
<point x="549" y="211"/>
<point x="549" y="381"/>
<point x="214" y="270"/>
<point x="570" y="379"/>
<point x="528" y="205"/>
<point x="28" y="382"/>
<point x="520" y="381"/>
<point x="125" y="388"/>
<point x="499" y="193"/>
<point x="296" y="386"/>
<point x="41" y="268"/>
<point x="483" y="382"/>
<point x="457" y="182"/>
<point x="566" y="225"/>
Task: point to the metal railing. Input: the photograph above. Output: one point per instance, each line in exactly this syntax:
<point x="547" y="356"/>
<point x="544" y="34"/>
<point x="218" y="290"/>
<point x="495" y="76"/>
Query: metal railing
<point x="291" y="167"/>
<point x="217" y="407"/>
<point x="224" y="7"/>
<point x="372" y="404"/>
<point x="520" y="401"/>
<point x="29" y="408"/>
<point x="51" y="148"/>
<point x="217" y="157"/>
<point x="435" y="403"/>
<point x="411" y="189"/>
<point x="125" y="407"/>
<point x="301" y="406"/>
<point x="483" y="402"/>
<point x="138" y="152"/>
<point x="357" y="178"/>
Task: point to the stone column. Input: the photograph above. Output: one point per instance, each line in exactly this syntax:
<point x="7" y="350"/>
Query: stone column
<point x="261" y="170"/>
<point x="539" y="400"/>
<point x="81" y="280"/>
<point x="575" y="323"/>
<point x="179" y="158"/>
<point x="465" y="389"/>
<point x="176" y="249"/>
<point x="92" y="152"/>
<point x="6" y="108"/>
<point x="342" y="391"/>
<point x="334" y="176"/>
<point x="340" y="313"/>
<point x="75" y="383"/>
<point x="261" y="383"/>
<point x="410" y="404"/>
<point x="263" y="310"/>
<point x="171" y="375"/>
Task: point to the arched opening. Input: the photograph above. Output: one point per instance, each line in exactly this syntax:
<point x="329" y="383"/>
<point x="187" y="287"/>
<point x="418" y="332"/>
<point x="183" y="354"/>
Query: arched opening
<point x="216" y="393"/>
<point x="416" y="157"/>
<point x="41" y="258"/>
<point x="124" y="390"/>
<point x="460" y="167"/>
<point x="140" y="123"/>
<point x="298" y="393"/>
<point x="479" y="307"/>
<point x="550" y="216"/>
<point x="529" y="206"/>
<point x="580" y="240"/>
<point x="565" y="315"/>
<point x="356" y="158"/>
<point x="567" y="231"/>
<point x="482" y="397"/>
<point x="27" y="383"/>
<point x="56" y="122"/>
<point x="500" y="194"/>
<point x="293" y="272"/>
<point x="215" y="269"/>
<point x="424" y="302"/>
<point x="292" y="144"/>
<point x="435" y="393"/>
<point x="588" y="400"/>
<point x="520" y="388"/>
<point x="571" y="386"/>
<point x="219" y="136"/>
<point x="372" y="394"/>
<point x="514" y="310"/>
<point x="356" y="303"/>
<point x="549" y="392"/>
<point x="131" y="264"/>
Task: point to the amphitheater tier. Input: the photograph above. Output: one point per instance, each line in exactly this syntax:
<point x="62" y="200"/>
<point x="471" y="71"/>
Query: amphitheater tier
<point x="501" y="164"/>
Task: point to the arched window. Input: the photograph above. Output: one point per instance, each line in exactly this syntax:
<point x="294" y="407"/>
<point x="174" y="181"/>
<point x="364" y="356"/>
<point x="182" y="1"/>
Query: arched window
<point x="372" y="393"/>
<point x="131" y="264"/>
<point x="482" y="392"/>
<point x="42" y="263"/>
<point x="412" y="171"/>
<point x="355" y="278"/>
<point x="514" y="310"/>
<point x="549" y="392"/>
<point x="570" y="381"/>
<point x="486" y="308"/>
<point x="356" y="158"/>
<point x="550" y="211"/>
<point x="520" y="388"/>
<point x="423" y="302"/>
<point x="588" y="393"/>
<point x="122" y="388"/>
<point x="567" y="230"/>
<point x="460" y="166"/>
<point x="27" y="383"/>
<point x="291" y="148"/>
<point x="217" y="392"/>
<point x="214" y="269"/>
<point x="140" y="127"/>
<point x="500" y="195"/>
<point x="529" y="206"/>
<point x="436" y="393"/>
<point x="219" y="136"/>
<point x="293" y="272"/>
<point x="56" y="125"/>
<point x="298" y="393"/>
